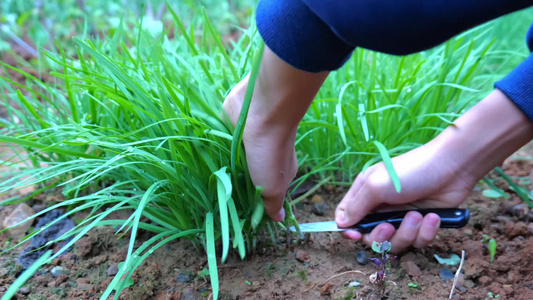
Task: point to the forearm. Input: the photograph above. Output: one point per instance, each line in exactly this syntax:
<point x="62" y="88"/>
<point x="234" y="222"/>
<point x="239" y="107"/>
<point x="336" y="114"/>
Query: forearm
<point x="484" y="136"/>
<point x="283" y="94"/>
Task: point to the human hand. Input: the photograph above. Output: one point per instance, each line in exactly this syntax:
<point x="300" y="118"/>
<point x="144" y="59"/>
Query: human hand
<point x="439" y="174"/>
<point x="428" y="180"/>
<point x="270" y="152"/>
<point x="282" y="95"/>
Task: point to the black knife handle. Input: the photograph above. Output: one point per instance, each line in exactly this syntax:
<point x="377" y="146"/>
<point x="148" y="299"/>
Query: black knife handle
<point x="449" y="218"/>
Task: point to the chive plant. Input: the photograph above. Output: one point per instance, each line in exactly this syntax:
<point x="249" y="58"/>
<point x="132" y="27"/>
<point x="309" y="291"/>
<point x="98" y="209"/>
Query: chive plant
<point x="140" y="128"/>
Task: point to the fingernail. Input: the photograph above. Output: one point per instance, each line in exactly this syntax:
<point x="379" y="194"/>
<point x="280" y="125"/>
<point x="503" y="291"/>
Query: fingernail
<point x="280" y="216"/>
<point x="341" y="217"/>
<point x="414" y="220"/>
<point x="434" y="221"/>
<point x="383" y="235"/>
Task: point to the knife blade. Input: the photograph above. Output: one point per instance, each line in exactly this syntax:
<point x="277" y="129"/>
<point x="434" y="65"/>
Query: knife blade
<point x="449" y="218"/>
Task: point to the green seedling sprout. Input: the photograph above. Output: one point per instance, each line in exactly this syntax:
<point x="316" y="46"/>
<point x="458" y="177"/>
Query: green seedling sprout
<point x="492" y="249"/>
<point x="485" y="238"/>
<point x="491" y="295"/>
<point x="383" y="263"/>
<point x="413" y="285"/>
<point x="452" y="261"/>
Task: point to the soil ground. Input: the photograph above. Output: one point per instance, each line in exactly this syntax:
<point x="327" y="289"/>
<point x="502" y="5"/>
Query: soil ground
<point x="320" y="268"/>
<point x="323" y="267"/>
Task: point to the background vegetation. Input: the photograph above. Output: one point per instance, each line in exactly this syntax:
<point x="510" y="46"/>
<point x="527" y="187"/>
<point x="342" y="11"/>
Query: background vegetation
<point x="130" y="117"/>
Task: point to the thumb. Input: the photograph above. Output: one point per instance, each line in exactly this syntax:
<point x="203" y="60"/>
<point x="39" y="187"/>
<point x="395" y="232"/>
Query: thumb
<point x="356" y="204"/>
<point x="274" y="208"/>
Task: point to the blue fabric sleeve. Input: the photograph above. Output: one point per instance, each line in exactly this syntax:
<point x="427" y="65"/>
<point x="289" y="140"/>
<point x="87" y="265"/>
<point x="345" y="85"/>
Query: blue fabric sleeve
<point x="518" y="85"/>
<point x="299" y="37"/>
<point x="318" y="35"/>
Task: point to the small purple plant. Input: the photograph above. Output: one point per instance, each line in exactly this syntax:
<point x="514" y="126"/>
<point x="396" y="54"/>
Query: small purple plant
<point x="383" y="263"/>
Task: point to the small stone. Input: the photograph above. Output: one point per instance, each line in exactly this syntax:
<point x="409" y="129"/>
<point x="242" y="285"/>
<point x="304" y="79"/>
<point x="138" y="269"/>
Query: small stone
<point x="469" y="284"/>
<point x="446" y="274"/>
<point x="302" y="256"/>
<point x="38" y="207"/>
<point x="185" y="277"/>
<point x="24" y="290"/>
<point x="519" y="210"/>
<point x="361" y="257"/>
<point x="330" y="188"/>
<point x="317" y="199"/>
<point x="58" y="270"/>
<point x="189" y="294"/>
<point x="319" y="208"/>
<point x="21" y="213"/>
<point x="468" y="232"/>
<point x="112" y="270"/>
<point x="84" y="284"/>
<point x="3" y="272"/>
<point x="354" y="283"/>
<point x="411" y="268"/>
<point x="256" y="283"/>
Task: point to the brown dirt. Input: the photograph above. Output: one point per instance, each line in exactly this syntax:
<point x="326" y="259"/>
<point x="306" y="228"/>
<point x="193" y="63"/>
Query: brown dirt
<point x="302" y="272"/>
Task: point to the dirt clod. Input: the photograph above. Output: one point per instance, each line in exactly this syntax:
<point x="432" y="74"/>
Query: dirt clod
<point x="302" y="256"/>
<point x="84" y="284"/>
<point x="411" y="268"/>
<point x="189" y="294"/>
<point x="326" y="289"/>
<point x="519" y="229"/>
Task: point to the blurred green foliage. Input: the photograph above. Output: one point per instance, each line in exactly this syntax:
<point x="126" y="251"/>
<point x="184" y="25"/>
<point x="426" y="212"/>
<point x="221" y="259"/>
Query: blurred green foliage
<point x="40" y="22"/>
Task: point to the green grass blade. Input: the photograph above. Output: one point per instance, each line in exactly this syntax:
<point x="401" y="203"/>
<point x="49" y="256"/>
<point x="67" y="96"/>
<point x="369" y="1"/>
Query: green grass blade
<point x="211" y="253"/>
<point x="237" y="229"/>
<point x="388" y="164"/>
<point x="239" y="128"/>
<point x="31" y="109"/>
<point x="259" y="210"/>
<point x="224" y="189"/>
<point x="36" y="145"/>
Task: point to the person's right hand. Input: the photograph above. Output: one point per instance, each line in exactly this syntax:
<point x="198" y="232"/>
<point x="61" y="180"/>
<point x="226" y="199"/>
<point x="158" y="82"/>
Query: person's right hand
<point x="428" y="179"/>
<point x="439" y="174"/>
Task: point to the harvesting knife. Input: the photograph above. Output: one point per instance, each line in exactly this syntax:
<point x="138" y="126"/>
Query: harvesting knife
<point x="449" y="218"/>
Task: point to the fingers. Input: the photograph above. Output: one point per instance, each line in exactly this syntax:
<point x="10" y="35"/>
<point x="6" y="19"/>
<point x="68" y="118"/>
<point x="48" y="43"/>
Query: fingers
<point x="428" y="231"/>
<point x="407" y="234"/>
<point x="274" y="208"/>
<point x="352" y="235"/>
<point x="381" y="233"/>
<point x="356" y="204"/>
<point x="415" y="230"/>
